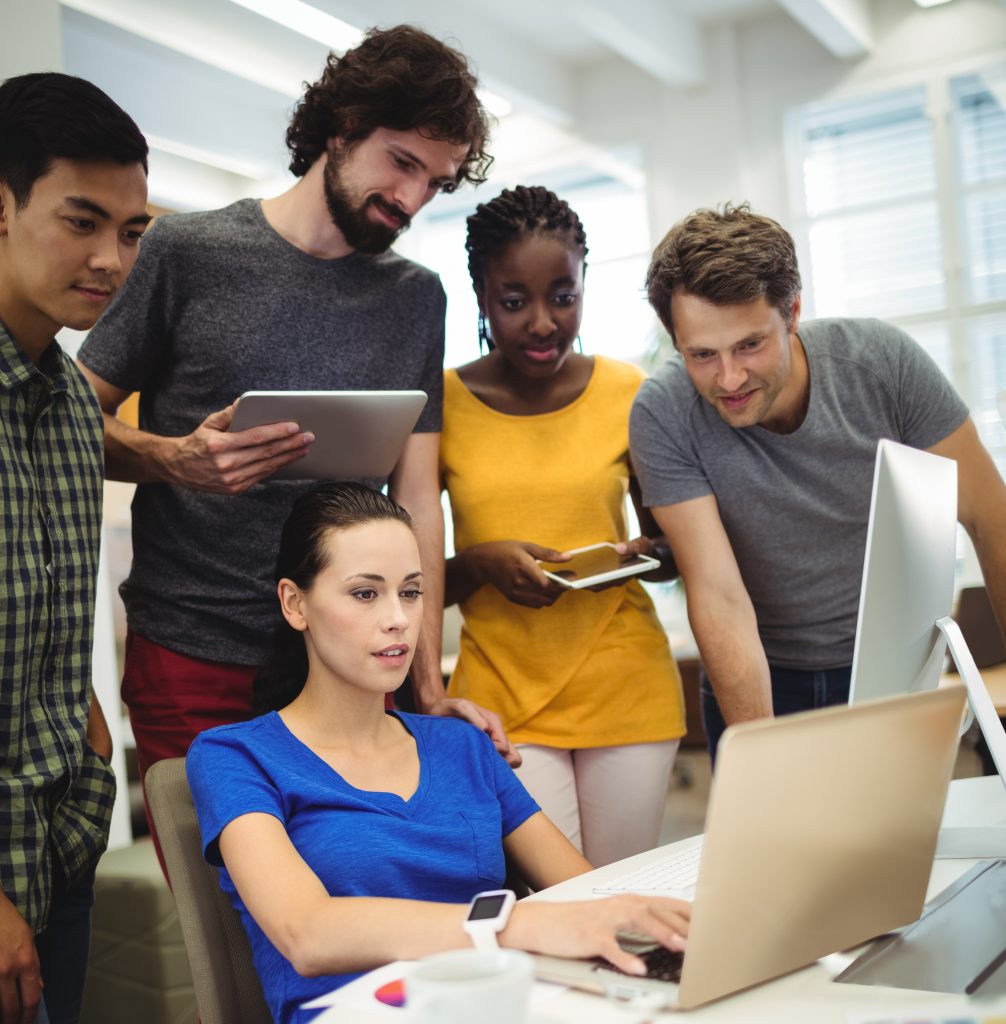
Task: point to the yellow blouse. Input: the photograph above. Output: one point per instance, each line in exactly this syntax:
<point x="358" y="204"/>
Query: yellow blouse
<point x="594" y="669"/>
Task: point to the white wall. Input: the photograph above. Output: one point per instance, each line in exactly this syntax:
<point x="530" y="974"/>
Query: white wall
<point x="725" y="140"/>
<point x="105" y="665"/>
<point x="30" y="38"/>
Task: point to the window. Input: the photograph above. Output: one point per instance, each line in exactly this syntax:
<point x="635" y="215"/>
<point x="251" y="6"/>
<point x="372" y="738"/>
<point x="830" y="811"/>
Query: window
<point x="891" y="200"/>
<point x="980" y="137"/>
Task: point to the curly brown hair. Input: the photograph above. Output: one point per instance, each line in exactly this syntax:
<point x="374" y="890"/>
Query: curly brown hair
<point x="725" y="257"/>
<point x="398" y="78"/>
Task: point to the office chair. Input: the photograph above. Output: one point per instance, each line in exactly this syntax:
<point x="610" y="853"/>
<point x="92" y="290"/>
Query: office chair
<point x="226" y="985"/>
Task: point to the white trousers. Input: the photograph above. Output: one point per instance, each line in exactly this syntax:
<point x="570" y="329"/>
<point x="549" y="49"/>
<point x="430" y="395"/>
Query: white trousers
<point x="607" y="801"/>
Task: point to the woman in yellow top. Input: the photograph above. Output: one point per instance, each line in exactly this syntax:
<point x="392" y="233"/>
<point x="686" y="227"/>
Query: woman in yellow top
<point x="535" y="458"/>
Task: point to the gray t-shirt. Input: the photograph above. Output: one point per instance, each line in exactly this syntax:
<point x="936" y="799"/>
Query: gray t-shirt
<point x="218" y="304"/>
<point x="796" y="506"/>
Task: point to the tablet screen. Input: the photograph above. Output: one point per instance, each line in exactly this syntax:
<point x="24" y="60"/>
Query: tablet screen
<point x="594" y="562"/>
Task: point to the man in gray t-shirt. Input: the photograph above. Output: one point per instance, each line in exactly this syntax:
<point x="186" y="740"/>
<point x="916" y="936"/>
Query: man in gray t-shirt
<point x="754" y="447"/>
<point x="296" y="292"/>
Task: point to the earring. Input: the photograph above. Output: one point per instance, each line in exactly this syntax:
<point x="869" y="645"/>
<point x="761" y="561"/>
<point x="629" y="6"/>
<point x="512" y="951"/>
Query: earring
<point x="578" y="345"/>
<point x="484" y="339"/>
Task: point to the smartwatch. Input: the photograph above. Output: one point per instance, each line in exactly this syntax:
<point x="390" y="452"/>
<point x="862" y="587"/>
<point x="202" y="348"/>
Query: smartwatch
<point x="488" y="914"/>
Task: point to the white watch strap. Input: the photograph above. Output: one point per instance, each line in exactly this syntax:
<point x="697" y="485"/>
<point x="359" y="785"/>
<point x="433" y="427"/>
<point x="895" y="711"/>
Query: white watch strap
<point x="484" y="939"/>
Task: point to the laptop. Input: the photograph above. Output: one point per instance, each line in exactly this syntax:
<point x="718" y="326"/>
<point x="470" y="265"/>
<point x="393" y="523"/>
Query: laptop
<point x="358" y="434"/>
<point x="820" y="835"/>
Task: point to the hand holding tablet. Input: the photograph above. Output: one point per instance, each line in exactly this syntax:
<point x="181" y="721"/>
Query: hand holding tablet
<point x="358" y="434"/>
<point x="596" y="564"/>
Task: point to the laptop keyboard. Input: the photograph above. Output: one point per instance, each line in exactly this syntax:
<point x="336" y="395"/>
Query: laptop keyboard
<point x="674" y="875"/>
<point x="661" y="965"/>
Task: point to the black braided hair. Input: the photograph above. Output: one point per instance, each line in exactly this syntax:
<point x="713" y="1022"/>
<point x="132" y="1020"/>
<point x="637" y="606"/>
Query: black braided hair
<point x="516" y="212"/>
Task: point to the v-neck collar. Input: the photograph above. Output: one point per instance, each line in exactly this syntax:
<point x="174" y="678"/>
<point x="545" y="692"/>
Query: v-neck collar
<point x="390" y="802"/>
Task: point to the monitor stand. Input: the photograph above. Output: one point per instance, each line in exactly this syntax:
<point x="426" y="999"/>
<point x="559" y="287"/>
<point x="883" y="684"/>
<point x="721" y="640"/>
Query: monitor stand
<point x="974" y="822"/>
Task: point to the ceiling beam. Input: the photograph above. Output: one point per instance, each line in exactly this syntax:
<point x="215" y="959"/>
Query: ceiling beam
<point x="662" y="42"/>
<point x="222" y="35"/>
<point x="507" y="64"/>
<point x="240" y="126"/>
<point x="843" y="27"/>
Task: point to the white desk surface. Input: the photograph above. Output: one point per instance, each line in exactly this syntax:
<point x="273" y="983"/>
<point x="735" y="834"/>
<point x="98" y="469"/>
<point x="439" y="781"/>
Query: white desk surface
<point x="807" y="996"/>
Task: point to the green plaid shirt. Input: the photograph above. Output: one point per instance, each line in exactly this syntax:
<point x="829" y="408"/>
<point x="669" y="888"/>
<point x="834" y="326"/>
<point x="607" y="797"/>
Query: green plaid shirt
<point x="55" y="793"/>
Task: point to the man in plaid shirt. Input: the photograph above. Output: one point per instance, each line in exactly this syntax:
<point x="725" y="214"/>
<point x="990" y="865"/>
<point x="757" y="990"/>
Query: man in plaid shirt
<point x="73" y="194"/>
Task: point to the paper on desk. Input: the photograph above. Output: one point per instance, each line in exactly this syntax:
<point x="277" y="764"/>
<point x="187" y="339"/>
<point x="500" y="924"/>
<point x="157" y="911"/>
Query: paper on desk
<point x="359" y="994"/>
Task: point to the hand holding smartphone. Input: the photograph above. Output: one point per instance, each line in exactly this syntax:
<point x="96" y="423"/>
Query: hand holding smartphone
<point x="596" y="564"/>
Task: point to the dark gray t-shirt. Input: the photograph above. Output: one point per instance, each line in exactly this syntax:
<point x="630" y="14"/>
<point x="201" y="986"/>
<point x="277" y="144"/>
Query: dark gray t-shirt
<point x="796" y="506"/>
<point x="218" y="304"/>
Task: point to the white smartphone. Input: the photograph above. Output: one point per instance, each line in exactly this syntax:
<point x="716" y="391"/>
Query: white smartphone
<point x="596" y="564"/>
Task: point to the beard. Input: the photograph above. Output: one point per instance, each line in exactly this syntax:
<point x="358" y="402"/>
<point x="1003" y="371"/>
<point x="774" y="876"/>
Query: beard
<point x="351" y="217"/>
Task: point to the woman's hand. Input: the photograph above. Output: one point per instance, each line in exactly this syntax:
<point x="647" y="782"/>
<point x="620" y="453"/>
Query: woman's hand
<point x="511" y="567"/>
<point x="590" y="927"/>
<point x="628" y="548"/>
<point x="637" y="546"/>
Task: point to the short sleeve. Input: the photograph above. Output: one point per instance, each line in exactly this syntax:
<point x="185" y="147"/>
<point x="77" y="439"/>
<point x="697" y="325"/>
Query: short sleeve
<point x="227" y="781"/>
<point x="668" y="469"/>
<point x="929" y="407"/>
<point x="516" y="804"/>
<point x="126" y="347"/>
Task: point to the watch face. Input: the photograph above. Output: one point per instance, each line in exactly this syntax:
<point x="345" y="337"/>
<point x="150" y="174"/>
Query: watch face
<point x="486" y="907"/>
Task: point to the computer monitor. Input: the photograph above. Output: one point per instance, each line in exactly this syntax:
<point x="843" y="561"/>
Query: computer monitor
<point x="908" y="574"/>
<point x="904" y="625"/>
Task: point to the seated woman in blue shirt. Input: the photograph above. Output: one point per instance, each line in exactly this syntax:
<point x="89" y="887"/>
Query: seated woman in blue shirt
<point x="349" y="836"/>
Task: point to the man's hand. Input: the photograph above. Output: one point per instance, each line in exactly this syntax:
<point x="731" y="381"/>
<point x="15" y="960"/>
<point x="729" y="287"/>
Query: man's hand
<point x="211" y="459"/>
<point x="511" y="566"/>
<point x="482" y="718"/>
<point x="20" y="973"/>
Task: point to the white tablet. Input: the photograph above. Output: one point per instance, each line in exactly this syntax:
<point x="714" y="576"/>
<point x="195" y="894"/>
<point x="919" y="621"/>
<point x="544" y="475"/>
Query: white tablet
<point x="596" y="564"/>
<point x="357" y="433"/>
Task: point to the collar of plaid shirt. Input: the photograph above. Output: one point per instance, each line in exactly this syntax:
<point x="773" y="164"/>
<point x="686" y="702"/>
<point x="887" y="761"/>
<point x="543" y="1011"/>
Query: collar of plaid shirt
<point x="56" y="794"/>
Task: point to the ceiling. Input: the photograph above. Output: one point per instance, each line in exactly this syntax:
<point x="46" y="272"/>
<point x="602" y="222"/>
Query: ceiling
<point x="212" y="83"/>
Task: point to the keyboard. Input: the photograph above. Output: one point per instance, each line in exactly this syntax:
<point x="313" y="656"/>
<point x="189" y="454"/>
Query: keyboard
<point x="673" y="875"/>
<point x="661" y="965"/>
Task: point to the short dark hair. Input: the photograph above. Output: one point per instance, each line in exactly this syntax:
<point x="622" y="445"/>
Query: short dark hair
<point x="515" y="213"/>
<point x="302" y="555"/>
<point x="47" y="116"/>
<point x="724" y="257"/>
<point x="398" y="78"/>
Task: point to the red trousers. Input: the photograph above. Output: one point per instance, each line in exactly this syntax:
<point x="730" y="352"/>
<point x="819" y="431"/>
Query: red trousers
<point x="172" y="698"/>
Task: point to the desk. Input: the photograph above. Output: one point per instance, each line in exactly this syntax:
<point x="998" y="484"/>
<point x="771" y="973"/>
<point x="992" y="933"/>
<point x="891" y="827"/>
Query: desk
<point x="807" y="996"/>
<point x="994" y="679"/>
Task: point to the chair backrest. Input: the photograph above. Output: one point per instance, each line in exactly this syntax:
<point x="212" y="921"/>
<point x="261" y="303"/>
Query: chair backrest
<point x="227" y="987"/>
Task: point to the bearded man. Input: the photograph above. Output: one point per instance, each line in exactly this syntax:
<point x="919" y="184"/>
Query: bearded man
<point x="296" y="292"/>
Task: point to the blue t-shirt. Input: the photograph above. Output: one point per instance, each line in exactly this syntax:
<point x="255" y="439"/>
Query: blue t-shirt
<point x="444" y="844"/>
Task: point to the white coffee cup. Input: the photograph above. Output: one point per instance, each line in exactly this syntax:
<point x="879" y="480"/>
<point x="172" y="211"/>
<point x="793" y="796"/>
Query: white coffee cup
<point x="469" y="985"/>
